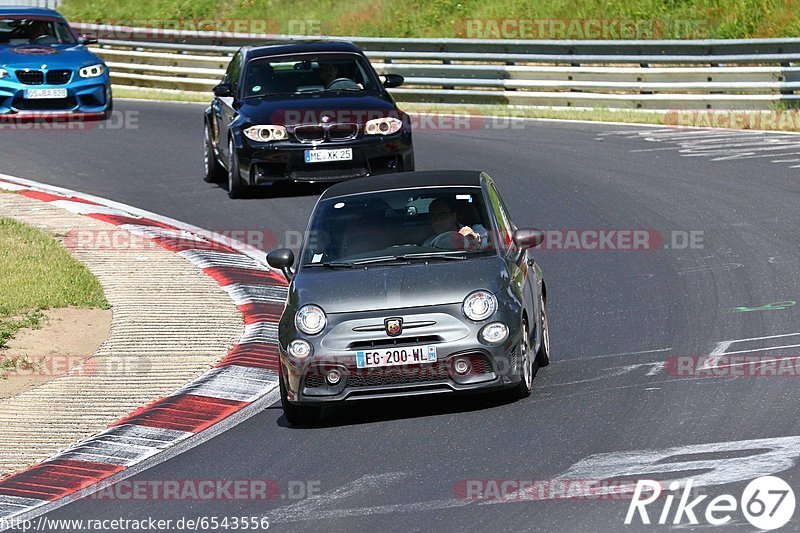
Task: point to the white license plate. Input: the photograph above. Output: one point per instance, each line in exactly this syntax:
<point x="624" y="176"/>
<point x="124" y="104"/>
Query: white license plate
<point x="323" y="156"/>
<point x="410" y="355"/>
<point x="42" y="94"/>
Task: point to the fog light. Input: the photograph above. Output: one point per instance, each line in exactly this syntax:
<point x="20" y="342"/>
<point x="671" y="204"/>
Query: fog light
<point x="461" y="366"/>
<point x="494" y="333"/>
<point x="299" y="348"/>
<point x="334" y="377"/>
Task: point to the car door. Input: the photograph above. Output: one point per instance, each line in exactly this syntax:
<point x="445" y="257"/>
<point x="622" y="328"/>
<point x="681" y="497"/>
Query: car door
<point x="523" y="267"/>
<point x="224" y="106"/>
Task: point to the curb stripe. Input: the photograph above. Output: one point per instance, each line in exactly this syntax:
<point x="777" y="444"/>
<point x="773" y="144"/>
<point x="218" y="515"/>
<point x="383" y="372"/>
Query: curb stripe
<point x="246" y="376"/>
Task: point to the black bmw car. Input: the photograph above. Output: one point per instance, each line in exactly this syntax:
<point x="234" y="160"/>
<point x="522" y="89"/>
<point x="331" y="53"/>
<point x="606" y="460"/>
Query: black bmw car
<point x="306" y="112"/>
<point x="410" y="284"/>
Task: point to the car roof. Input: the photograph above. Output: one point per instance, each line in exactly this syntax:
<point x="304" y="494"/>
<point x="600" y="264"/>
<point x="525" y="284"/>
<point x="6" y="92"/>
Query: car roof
<point x="32" y="11"/>
<point x="298" y="47"/>
<point x="405" y="180"/>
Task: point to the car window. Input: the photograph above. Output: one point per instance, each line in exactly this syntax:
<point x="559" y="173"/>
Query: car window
<point x="505" y="228"/>
<point x="234" y="69"/>
<point x="391" y="223"/>
<point x="308" y="74"/>
<point x="18" y="30"/>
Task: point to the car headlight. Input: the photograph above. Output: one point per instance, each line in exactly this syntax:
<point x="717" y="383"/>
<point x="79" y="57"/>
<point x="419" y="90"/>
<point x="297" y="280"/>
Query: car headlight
<point x="92" y="72"/>
<point x="299" y="348"/>
<point x="494" y="333"/>
<point x="3" y="73"/>
<point x="383" y="126"/>
<point x="310" y="319"/>
<point x="479" y="305"/>
<point x="265" y="134"/>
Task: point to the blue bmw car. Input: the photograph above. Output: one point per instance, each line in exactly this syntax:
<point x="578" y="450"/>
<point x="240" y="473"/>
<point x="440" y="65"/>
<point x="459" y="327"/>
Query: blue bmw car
<point x="46" y="69"/>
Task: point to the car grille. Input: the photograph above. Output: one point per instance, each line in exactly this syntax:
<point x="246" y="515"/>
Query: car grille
<point x="396" y="341"/>
<point x="31" y="77"/>
<point x="58" y="77"/>
<point x="307" y="134"/>
<point x="313" y="133"/>
<point x="376" y="377"/>
<point x="331" y="173"/>
<point x="48" y="104"/>
<point x="314" y="380"/>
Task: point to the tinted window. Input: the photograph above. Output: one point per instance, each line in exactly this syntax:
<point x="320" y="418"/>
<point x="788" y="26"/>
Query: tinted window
<point x="308" y="74"/>
<point x="505" y="227"/>
<point x="234" y="69"/>
<point x="15" y="31"/>
<point x="399" y="222"/>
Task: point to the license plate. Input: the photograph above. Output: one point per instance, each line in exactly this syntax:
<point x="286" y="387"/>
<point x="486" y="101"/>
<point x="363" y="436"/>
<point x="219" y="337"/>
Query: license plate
<point x="324" y="156"/>
<point x="410" y="355"/>
<point x="41" y="94"/>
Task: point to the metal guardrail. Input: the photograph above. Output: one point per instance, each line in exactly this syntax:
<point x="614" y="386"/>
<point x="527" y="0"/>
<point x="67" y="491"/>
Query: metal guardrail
<point x="704" y="74"/>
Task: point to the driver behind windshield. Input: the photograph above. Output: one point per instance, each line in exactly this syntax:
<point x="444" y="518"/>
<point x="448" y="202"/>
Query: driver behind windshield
<point x="327" y="73"/>
<point x="444" y="221"/>
<point x="38" y="32"/>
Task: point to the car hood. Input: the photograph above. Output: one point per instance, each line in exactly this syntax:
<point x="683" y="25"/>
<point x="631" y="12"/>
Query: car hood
<point x="54" y="57"/>
<point x="342" y="107"/>
<point x="394" y="287"/>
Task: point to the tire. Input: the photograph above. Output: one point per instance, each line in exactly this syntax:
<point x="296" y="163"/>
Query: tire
<point x="297" y="415"/>
<point x="235" y="187"/>
<point x="543" y="354"/>
<point x="525" y="385"/>
<point x="214" y="173"/>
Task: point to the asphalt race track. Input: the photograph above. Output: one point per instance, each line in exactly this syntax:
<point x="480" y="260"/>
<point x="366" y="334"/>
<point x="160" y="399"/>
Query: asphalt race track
<point x="616" y="317"/>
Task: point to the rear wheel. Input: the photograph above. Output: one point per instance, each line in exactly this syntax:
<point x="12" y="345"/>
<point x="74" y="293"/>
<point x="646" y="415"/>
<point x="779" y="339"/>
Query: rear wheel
<point x="214" y="173"/>
<point x="297" y="415"/>
<point x="235" y="187"/>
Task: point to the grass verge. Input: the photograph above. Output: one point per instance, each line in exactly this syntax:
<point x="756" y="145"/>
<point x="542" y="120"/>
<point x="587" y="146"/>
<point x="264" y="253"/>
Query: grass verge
<point x="38" y="273"/>
<point x="559" y="19"/>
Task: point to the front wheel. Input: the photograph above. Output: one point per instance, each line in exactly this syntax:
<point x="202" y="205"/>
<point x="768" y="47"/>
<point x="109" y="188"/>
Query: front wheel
<point x="297" y="415"/>
<point x="543" y="354"/>
<point x="235" y="187"/>
<point x="525" y="386"/>
<point x="214" y="173"/>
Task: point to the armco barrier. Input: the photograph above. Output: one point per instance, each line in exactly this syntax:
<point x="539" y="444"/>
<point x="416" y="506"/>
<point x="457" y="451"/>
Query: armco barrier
<point x="698" y="74"/>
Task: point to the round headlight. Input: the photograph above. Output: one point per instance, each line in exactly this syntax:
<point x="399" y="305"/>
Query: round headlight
<point x="494" y="333"/>
<point x="299" y="348"/>
<point x="479" y="305"/>
<point x="310" y="319"/>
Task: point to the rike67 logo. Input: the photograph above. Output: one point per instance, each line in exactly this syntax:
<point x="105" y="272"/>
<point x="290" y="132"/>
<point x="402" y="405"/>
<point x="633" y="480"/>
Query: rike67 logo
<point x="767" y="503"/>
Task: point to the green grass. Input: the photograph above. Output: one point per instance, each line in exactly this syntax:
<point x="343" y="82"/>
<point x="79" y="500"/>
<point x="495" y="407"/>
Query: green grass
<point x="666" y="19"/>
<point x="38" y="273"/>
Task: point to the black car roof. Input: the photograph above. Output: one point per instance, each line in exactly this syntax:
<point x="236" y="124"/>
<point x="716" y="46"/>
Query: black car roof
<point x="17" y="11"/>
<point x="404" y="180"/>
<point x="290" y="47"/>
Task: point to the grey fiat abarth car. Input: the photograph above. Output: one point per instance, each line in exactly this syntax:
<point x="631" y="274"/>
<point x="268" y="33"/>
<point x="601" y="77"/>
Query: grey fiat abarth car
<point x="409" y="284"/>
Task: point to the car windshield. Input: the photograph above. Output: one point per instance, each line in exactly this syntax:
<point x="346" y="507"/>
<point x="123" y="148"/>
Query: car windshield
<point x="308" y="74"/>
<point x="400" y="225"/>
<point x="16" y="31"/>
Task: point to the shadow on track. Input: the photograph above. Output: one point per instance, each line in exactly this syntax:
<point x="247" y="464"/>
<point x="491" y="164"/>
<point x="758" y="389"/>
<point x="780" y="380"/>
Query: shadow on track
<point x="382" y="410"/>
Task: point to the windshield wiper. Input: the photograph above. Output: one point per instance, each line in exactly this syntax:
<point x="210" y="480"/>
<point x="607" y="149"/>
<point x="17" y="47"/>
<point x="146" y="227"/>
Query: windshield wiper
<point x="331" y="264"/>
<point x="435" y="255"/>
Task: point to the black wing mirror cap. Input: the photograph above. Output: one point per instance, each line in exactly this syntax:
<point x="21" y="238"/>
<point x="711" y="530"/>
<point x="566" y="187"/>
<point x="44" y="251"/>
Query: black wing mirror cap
<point x="393" y="80"/>
<point x="282" y="259"/>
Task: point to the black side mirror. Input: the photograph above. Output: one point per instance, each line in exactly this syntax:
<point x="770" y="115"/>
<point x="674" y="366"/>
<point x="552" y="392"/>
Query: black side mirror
<point x="528" y="238"/>
<point x="87" y="40"/>
<point x="223" y="90"/>
<point x="282" y="259"/>
<point x="393" y="80"/>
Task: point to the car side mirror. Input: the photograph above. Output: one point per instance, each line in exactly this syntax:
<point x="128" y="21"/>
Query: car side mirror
<point x="528" y="238"/>
<point x="87" y="39"/>
<point x="223" y="90"/>
<point x="282" y="259"/>
<point x="393" y="80"/>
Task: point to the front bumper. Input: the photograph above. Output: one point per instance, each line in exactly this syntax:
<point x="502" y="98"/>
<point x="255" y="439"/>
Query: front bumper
<point x="85" y="97"/>
<point x="264" y="163"/>
<point x="490" y="367"/>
